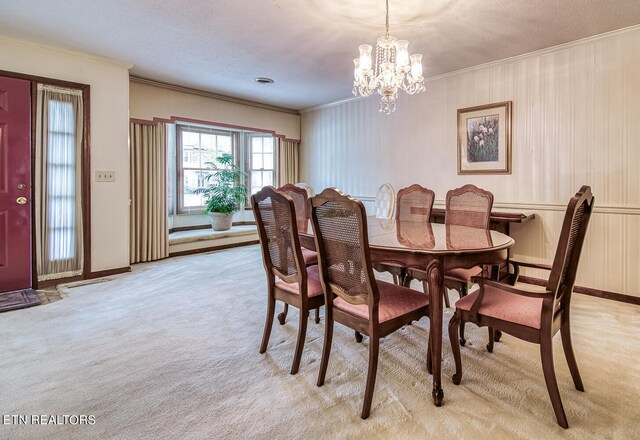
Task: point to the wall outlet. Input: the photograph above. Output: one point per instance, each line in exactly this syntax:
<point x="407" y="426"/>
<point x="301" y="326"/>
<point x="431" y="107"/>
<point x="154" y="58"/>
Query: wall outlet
<point x="105" y="176"/>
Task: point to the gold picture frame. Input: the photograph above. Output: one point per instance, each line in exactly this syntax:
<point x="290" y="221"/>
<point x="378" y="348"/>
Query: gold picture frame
<point x="484" y="139"/>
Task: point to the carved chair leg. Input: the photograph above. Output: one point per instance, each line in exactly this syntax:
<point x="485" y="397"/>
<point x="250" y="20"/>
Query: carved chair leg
<point x="546" y="354"/>
<point x="395" y="278"/>
<point x="497" y="335"/>
<point x="565" y="333"/>
<point x="302" y="333"/>
<point x="455" y="347"/>
<point x="326" y="349"/>
<point x="463" y="341"/>
<point x="445" y="292"/>
<point x="318" y="315"/>
<point x="491" y="340"/>
<point x="282" y="317"/>
<point x="402" y="276"/>
<point x="374" y="345"/>
<point x="271" y="308"/>
<point x="358" y="337"/>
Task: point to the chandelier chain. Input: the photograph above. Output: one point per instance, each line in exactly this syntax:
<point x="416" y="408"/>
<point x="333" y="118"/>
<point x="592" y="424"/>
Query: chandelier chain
<point x="387" y="23"/>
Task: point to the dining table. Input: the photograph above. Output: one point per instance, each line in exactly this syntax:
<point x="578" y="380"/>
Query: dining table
<point x="433" y="248"/>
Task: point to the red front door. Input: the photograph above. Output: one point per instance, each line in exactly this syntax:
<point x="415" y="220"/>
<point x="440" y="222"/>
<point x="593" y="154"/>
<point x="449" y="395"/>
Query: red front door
<point x="15" y="184"/>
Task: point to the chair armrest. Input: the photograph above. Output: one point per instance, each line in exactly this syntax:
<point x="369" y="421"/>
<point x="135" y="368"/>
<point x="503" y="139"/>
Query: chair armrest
<point x="512" y="278"/>
<point x="508" y="288"/>
<point x="532" y="265"/>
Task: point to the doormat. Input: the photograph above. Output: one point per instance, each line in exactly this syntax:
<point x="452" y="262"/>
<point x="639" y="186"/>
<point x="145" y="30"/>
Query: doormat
<point x="18" y="300"/>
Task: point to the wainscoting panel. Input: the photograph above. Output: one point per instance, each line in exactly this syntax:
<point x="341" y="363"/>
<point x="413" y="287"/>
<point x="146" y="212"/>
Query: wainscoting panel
<point x="575" y="113"/>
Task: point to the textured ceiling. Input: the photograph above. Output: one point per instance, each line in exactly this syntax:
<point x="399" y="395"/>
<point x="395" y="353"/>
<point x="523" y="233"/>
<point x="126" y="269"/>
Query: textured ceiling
<point x="306" y="46"/>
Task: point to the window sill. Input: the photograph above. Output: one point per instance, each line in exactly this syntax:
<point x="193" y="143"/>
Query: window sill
<point x="203" y="240"/>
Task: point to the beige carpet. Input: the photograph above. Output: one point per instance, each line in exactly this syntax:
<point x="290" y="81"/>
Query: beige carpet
<point x="170" y="351"/>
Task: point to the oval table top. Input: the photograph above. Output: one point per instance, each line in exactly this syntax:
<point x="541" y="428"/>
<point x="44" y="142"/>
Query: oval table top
<point x="430" y="238"/>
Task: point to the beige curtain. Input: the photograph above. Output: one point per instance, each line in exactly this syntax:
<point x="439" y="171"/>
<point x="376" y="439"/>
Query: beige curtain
<point x="149" y="234"/>
<point x="58" y="183"/>
<point x="288" y="167"/>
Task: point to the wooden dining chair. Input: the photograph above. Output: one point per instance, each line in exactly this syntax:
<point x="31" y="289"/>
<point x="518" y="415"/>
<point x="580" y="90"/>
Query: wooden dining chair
<point x="308" y="188"/>
<point x="414" y="204"/>
<point x="299" y="197"/>
<point x="353" y="296"/>
<point x="288" y="279"/>
<point x="466" y="206"/>
<point x="534" y="316"/>
<point x="385" y="199"/>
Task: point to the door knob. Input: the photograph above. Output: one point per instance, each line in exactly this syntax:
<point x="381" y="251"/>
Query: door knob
<point x="21" y="200"/>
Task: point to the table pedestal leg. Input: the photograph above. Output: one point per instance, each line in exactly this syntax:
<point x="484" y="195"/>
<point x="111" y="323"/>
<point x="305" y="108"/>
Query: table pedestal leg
<point x="435" y="275"/>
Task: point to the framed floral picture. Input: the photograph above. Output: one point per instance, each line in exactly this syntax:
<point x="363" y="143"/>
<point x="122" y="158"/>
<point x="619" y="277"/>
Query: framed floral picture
<point x="484" y="139"/>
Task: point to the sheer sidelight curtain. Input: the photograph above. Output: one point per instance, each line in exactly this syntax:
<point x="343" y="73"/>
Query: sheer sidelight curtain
<point x="149" y="232"/>
<point x="288" y="151"/>
<point x="58" y="168"/>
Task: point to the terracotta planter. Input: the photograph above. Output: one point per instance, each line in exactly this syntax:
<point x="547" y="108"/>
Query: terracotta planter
<point x="220" y="221"/>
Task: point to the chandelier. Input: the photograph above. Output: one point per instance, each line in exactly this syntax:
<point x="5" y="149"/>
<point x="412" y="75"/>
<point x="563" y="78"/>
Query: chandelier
<point x="394" y="69"/>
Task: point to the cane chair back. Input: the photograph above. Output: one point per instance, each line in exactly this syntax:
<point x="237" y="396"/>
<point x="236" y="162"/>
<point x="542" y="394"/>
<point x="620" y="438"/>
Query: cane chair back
<point x="468" y="206"/>
<point x="414" y="204"/>
<point x="299" y="197"/>
<point x="565" y="263"/>
<point x="278" y="232"/>
<point x="340" y="229"/>
<point x="385" y="199"/>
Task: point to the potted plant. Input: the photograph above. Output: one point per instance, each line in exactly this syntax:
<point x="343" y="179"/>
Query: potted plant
<point x="225" y="193"/>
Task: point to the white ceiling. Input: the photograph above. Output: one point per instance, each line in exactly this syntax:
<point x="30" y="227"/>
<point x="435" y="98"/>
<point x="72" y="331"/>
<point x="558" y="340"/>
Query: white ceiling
<point x="306" y="46"/>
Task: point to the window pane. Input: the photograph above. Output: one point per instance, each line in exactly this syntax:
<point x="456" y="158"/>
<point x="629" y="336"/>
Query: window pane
<point x="189" y="138"/>
<point x="256" y="161"/>
<point x="256" y="181"/>
<point x="224" y="144"/>
<point x="268" y="145"/>
<point x="256" y="144"/>
<point x="61" y="179"/>
<point x="193" y="179"/>
<point x="268" y="161"/>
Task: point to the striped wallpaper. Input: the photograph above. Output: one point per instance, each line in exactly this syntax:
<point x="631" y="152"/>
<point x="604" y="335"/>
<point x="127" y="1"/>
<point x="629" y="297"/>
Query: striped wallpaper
<point x="576" y="120"/>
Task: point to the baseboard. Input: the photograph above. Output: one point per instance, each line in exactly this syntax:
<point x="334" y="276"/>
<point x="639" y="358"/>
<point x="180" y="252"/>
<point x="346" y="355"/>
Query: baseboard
<point x="213" y="248"/>
<point x="54" y="282"/>
<point x="587" y="291"/>
<point x="109" y="272"/>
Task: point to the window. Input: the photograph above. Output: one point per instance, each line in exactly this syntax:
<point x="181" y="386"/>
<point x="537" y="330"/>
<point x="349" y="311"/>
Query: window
<point x="61" y="167"/>
<point x="261" y="169"/>
<point x="198" y="146"/>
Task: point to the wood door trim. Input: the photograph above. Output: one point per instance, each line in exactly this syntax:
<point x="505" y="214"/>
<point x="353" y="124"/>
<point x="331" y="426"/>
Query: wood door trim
<point x="85" y="172"/>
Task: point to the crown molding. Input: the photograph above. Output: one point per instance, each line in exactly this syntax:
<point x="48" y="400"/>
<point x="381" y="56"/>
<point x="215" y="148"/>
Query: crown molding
<point x="205" y="94"/>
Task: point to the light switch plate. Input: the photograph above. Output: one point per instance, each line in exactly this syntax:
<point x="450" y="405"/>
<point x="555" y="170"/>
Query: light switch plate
<point x="105" y="176"/>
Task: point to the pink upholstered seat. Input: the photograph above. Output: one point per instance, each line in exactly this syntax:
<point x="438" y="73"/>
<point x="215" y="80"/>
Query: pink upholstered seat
<point x="310" y="257"/>
<point x="314" y="288"/>
<point x="497" y="304"/>
<point x="394" y="301"/>
<point x="464" y="275"/>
